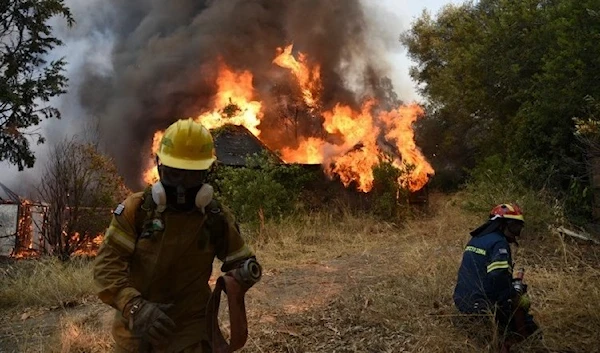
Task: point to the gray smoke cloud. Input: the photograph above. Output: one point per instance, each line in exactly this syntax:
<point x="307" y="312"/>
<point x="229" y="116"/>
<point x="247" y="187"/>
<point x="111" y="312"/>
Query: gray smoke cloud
<point x="87" y="44"/>
<point x="166" y="56"/>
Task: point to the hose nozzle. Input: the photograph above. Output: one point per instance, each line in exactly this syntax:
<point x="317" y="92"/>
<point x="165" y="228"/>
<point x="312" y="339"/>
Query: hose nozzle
<point x="249" y="272"/>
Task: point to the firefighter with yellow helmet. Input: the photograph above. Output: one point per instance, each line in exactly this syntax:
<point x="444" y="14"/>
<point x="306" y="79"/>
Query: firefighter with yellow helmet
<point x="157" y="256"/>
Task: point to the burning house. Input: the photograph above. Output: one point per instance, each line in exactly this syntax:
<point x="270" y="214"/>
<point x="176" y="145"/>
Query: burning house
<point x="22" y="225"/>
<point x="234" y="144"/>
<point x="306" y="78"/>
<point x="27" y="229"/>
<point x="349" y="142"/>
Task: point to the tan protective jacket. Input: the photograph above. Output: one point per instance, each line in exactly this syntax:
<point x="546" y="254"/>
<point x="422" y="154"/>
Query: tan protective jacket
<point x="168" y="259"/>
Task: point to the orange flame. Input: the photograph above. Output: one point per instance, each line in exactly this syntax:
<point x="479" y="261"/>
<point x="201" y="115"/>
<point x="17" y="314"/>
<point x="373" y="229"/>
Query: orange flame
<point x="354" y="159"/>
<point x="356" y="166"/>
<point x="233" y="103"/>
<point x="356" y="128"/>
<point x="151" y="174"/>
<point x="398" y="124"/>
<point x="352" y="146"/>
<point x="308" y="79"/>
<point x="353" y="126"/>
<point x="310" y="151"/>
<point x="90" y="247"/>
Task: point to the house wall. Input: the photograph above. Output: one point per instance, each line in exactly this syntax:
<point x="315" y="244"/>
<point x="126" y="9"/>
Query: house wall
<point x="8" y="220"/>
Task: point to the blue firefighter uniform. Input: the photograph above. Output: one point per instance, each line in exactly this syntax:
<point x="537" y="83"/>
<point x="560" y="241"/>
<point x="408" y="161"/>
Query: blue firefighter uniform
<point x="485" y="277"/>
<point x="485" y="274"/>
<point x="485" y="281"/>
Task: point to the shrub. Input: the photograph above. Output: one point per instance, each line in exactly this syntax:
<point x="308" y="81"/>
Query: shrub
<point x="388" y="195"/>
<point x="494" y="182"/>
<point x="264" y="188"/>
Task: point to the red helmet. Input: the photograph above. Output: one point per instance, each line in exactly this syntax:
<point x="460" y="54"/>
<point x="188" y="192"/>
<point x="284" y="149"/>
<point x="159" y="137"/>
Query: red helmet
<point x="507" y="210"/>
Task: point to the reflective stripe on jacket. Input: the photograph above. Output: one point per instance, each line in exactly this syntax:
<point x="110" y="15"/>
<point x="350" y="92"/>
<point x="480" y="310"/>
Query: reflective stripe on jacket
<point x="485" y="274"/>
<point x="170" y="264"/>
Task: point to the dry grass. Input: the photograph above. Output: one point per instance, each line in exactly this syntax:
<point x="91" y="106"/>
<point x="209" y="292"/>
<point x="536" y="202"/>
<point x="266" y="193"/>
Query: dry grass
<point x="45" y="282"/>
<point x="343" y="283"/>
<point x="87" y="331"/>
<point x="308" y="237"/>
<point x="403" y="303"/>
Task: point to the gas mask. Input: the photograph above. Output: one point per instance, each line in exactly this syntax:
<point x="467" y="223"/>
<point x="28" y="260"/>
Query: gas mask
<point x="512" y="230"/>
<point x="181" y="189"/>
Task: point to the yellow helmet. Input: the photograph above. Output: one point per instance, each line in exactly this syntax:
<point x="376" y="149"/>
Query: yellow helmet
<point x="188" y="145"/>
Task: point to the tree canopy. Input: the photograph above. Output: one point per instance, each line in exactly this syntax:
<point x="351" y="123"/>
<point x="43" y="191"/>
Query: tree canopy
<point x="27" y="80"/>
<point x="505" y="79"/>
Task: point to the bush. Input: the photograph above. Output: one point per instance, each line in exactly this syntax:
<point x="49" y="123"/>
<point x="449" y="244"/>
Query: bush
<point x="387" y="193"/>
<point x="494" y="182"/>
<point x="264" y="188"/>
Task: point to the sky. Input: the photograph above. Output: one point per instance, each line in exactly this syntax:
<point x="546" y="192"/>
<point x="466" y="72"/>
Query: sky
<point x="407" y="11"/>
<point x="393" y="16"/>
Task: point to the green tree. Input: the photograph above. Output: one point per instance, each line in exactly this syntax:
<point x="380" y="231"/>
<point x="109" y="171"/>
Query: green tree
<point x="506" y="78"/>
<point x="27" y="80"/>
<point x="587" y="127"/>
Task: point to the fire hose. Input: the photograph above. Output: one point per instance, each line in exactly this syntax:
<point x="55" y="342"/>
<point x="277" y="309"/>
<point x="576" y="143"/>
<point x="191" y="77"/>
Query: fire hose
<point x="234" y="283"/>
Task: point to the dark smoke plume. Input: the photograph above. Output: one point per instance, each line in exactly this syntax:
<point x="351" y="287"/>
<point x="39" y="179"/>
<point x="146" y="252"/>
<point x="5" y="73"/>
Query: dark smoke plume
<point x="167" y="54"/>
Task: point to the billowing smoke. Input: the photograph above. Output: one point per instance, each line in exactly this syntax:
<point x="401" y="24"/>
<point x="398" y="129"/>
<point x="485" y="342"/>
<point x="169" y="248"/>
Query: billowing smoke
<point x="166" y="57"/>
<point x="86" y="46"/>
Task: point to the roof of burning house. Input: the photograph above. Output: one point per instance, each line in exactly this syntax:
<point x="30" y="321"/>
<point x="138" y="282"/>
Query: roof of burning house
<point x="9" y="195"/>
<point x="234" y="144"/>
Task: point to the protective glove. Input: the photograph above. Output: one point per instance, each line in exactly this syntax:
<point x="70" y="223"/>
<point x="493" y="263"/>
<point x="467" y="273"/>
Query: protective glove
<point x="149" y="320"/>
<point x="524" y="302"/>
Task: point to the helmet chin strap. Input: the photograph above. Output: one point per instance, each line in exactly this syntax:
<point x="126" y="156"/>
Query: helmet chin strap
<point x="203" y="197"/>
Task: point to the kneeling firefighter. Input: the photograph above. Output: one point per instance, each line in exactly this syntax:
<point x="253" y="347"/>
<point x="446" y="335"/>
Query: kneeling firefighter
<point x="485" y="278"/>
<point x="157" y="256"/>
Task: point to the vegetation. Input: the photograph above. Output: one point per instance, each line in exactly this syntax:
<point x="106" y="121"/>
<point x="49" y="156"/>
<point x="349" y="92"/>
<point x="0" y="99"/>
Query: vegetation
<point x="504" y="79"/>
<point x="341" y="282"/>
<point x="47" y="282"/>
<point x="81" y="187"/>
<point x="27" y="81"/>
<point x="389" y="198"/>
<point x="493" y="182"/>
<point x="262" y="189"/>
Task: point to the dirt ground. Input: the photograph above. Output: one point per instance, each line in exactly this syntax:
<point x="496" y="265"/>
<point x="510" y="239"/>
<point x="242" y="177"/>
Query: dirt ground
<point x="282" y="296"/>
<point x="367" y="287"/>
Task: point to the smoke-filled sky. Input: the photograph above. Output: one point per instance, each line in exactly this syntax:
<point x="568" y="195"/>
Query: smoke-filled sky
<point x="134" y="66"/>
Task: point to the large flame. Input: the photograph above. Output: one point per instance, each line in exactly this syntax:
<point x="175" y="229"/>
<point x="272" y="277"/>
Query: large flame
<point x="399" y="129"/>
<point x="232" y="104"/>
<point x="308" y="79"/>
<point x="352" y="145"/>
<point x="354" y="159"/>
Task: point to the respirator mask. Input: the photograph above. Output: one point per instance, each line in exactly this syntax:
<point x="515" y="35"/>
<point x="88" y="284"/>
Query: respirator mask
<point x="181" y="189"/>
